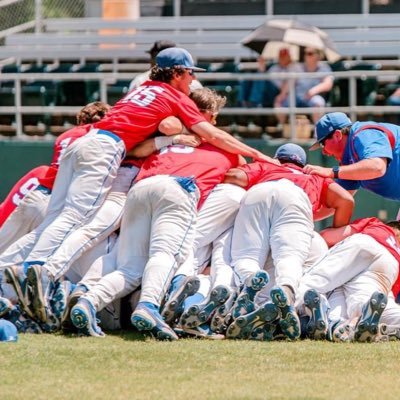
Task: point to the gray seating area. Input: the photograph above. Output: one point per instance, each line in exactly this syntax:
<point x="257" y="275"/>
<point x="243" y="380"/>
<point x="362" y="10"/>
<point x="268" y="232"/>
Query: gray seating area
<point x="109" y="53"/>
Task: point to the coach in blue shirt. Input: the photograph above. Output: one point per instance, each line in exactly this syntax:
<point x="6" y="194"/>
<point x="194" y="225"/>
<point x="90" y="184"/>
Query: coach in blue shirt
<point x="368" y="154"/>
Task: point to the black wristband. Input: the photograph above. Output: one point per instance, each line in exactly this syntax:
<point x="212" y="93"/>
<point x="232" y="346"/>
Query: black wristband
<point x="335" y="171"/>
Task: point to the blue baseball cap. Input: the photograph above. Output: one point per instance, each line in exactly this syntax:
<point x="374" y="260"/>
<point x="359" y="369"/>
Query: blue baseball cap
<point x="328" y="124"/>
<point x="176" y="57"/>
<point x="291" y="152"/>
<point x="8" y="331"/>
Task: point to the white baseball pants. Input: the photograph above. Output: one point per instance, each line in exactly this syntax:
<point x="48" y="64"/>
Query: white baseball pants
<point x="358" y="264"/>
<point x="84" y="178"/>
<point x="274" y="217"/>
<point x="156" y="236"/>
<point x="26" y="217"/>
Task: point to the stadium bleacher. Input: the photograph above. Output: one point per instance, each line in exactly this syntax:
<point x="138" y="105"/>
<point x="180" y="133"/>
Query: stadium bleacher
<point x="107" y="62"/>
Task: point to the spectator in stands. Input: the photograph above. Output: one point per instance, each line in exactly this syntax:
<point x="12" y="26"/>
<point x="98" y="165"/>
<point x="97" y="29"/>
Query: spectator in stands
<point x="156" y="48"/>
<point x="309" y="91"/>
<point x="263" y="93"/>
<point x="394" y="98"/>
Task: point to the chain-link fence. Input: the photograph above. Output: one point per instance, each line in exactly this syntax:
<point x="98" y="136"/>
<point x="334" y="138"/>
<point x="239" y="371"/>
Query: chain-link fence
<point x="26" y="15"/>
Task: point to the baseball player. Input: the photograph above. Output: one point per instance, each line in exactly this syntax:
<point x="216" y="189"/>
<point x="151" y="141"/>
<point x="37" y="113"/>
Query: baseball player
<point x="167" y="191"/>
<point x="369" y="254"/>
<point x="31" y="193"/>
<point x="89" y="165"/>
<point x="277" y="208"/>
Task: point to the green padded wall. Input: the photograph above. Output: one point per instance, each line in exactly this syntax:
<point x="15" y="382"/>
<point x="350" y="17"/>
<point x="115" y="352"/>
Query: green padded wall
<point x="19" y="157"/>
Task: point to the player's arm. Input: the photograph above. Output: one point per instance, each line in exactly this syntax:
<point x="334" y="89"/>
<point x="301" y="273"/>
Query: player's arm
<point x="225" y="141"/>
<point x="325" y="212"/>
<point x="175" y="133"/>
<point x="236" y="176"/>
<point x="342" y="202"/>
<point x="369" y="168"/>
<point x="336" y="235"/>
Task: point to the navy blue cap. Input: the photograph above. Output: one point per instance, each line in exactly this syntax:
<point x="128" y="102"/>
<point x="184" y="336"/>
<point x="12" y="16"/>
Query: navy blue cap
<point x="291" y="152"/>
<point x="328" y="124"/>
<point x="176" y="57"/>
<point x="8" y="331"/>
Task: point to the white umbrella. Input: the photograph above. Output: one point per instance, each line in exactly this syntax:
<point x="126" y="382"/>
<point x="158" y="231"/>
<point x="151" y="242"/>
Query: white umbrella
<point x="269" y="37"/>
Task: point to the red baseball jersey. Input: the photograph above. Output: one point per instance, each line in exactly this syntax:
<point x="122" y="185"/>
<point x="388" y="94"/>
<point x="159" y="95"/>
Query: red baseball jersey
<point x="313" y="185"/>
<point x="384" y="235"/>
<point x="136" y="116"/>
<point x="206" y="164"/>
<point x="60" y="145"/>
<point x="28" y="182"/>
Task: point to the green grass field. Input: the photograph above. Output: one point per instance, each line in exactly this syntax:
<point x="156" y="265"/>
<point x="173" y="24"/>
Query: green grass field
<point x="128" y="366"/>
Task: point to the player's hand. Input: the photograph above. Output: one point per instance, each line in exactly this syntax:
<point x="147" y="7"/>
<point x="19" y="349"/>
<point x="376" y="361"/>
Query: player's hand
<point x="318" y="170"/>
<point x="263" y="157"/>
<point x="191" y="140"/>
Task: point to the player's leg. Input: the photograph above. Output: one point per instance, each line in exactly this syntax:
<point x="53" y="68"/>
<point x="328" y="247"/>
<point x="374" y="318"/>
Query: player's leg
<point x="26" y="217"/>
<point x="250" y="238"/>
<point x="173" y="204"/>
<point x="105" y="221"/>
<point x="96" y="161"/>
<point x="217" y="213"/>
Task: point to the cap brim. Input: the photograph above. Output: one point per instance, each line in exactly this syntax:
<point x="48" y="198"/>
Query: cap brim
<point x="315" y="146"/>
<point x="197" y="69"/>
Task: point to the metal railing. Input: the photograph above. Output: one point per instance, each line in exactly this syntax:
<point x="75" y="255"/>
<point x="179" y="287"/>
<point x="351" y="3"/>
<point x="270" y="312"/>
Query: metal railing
<point x="109" y="78"/>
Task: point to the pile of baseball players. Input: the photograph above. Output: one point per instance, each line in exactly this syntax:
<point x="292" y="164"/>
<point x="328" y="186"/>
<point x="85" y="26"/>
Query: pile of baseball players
<point x="150" y="214"/>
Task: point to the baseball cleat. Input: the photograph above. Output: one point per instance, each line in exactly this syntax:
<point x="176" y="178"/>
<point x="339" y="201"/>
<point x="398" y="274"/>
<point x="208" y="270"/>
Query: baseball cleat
<point x="58" y="302"/>
<point x="180" y="291"/>
<point x="203" y="331"/>
<point x="83" y="316"/>
<point x="391" y="332"/>
<point x="66" y="324"/>
<point x="343" y="332"/>
<point x="42" y="286"/>
<point x="23" y="323"/>
<point x="16" y="277"/>
<point x="289" y="320"/>
<point x="242" y="327"/>
<point x="146" y="317"/>
<point x="244" y="303"/>
<point x="316" y="306"/>
<point x="199" y="314"/>
<point x="267" y="332"/>
<point x="222" y="317"/>
<point x="5" y="306"/>
<point x="367" y="327"/>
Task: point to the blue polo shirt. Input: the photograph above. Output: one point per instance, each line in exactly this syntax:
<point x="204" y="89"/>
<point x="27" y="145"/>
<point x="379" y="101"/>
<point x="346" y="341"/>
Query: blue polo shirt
<point x="372" y="143"/>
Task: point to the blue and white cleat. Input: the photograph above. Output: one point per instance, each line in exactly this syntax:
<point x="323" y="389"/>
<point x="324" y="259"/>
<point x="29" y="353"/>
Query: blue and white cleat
<point x="244" y="303"/>
<point x="317" y="309"/>
<point x="83" y="316"/>
<point x="289" y="320"/>
<point x="242" y="327"/>
<point x="199" y="314"/>
<point x="5" y="306"/>
<point x="23" y="323"/>
<point x="66" y="323"/>
<point x="222" y="315"/>
<point x="267" y="332"/>
<point x="16" y="277"/>
<point x="58" y="302"/>
<point x="42" y="286"/>
<point x="204" y="331"/>
<point x="367" y="327"/>
<point x="146" y="317"/>
<point x="180" y="291"/>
